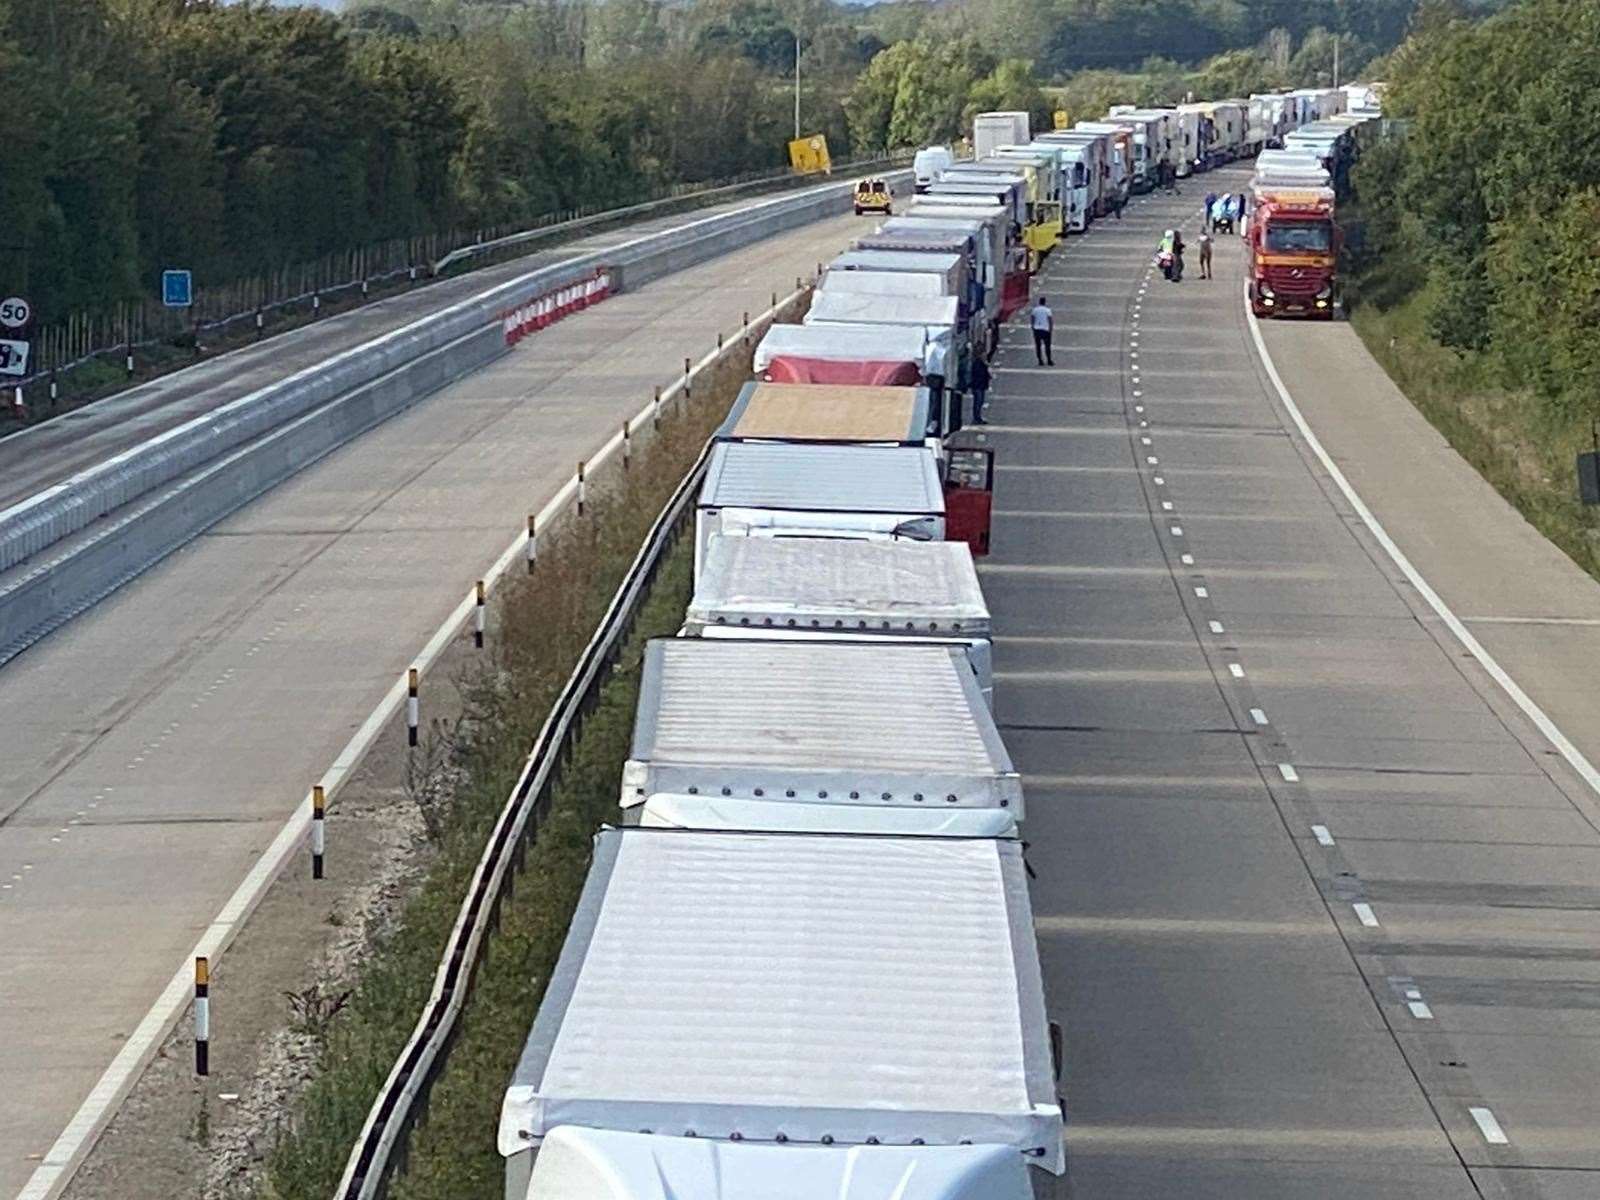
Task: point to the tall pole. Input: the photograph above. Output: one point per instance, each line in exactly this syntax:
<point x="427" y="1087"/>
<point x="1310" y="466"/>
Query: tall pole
<point x="797" y="86"/>
<point x="1335" y="60"/>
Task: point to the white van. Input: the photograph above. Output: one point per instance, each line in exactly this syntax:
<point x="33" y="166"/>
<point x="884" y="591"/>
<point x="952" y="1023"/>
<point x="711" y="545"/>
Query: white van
<point x="930" y="164"/>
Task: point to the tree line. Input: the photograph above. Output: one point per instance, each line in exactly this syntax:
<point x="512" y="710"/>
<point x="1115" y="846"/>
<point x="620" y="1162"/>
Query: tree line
<point x="234" y="139"/>
<point x="1491" y="200"/>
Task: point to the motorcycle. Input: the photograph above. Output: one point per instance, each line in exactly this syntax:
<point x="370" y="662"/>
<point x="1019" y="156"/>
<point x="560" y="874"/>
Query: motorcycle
<point x="1171" y="265"/>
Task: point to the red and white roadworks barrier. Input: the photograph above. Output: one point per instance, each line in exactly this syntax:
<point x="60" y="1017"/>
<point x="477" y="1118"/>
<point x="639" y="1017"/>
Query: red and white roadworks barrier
<point x="550" y="307"/>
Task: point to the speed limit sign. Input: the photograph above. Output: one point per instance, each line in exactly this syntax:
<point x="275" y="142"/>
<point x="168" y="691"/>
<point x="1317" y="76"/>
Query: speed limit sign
<point x="15" y="312"/>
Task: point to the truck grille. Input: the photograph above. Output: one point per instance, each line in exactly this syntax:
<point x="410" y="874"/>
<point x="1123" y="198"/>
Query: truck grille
<point x="1296" y="281"/>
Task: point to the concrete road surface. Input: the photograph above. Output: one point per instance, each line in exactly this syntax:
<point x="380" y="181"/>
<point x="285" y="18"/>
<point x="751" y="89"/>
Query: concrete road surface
<point x="1319" y="906"/>
<point x="155" y="747"/>
<point x="45" y="454"/>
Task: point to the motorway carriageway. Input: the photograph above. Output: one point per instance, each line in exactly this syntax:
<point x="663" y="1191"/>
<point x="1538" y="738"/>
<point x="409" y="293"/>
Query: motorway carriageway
<point x="155" y="746"/>
<point x="1317" y="902"/>
<point x="45" y="454"/>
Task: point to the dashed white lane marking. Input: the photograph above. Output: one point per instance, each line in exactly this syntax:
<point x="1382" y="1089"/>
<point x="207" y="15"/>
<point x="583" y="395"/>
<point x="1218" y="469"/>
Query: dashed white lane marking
<point x="1489" y="1126"/>
<point x="1420" y="1010"/>
<point x="1320" y="832"/>
<point x="1202" y="592"/>
<point x="1365" y="915"/>
<point x="1152" y="459"/>
<point x="1166" y="505"/>
<point x="1552" y="732"/>
<point x="1186" y="559"/>
<point x="1144" y="424"/>
<point x="1160" y="482"/>
<point x="1236" y="670"/>
<point x="1259" y="716"/>
<point x="1290" y="775"/>
<point x="1177" y="531"/>
<point x="1216" y="626"/>
<point x="1145" y="440"/>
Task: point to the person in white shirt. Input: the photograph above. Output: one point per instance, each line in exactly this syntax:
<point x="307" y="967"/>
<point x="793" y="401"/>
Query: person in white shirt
<point x="1044" y="323"/>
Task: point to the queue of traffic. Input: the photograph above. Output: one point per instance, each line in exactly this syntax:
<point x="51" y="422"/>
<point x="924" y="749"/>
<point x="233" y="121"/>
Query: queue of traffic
<point x="803" y="963"/>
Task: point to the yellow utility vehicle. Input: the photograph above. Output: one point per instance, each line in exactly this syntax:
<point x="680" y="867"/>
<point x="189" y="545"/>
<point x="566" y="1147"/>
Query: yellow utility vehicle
<point x="873" y="195"/>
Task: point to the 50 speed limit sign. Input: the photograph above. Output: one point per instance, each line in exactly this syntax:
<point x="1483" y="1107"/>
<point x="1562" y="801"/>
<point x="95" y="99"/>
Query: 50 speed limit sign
<point x="15" y="312"/>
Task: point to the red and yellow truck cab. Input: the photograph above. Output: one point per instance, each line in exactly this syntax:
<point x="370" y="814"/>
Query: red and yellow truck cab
<point x="1294" y="252"/>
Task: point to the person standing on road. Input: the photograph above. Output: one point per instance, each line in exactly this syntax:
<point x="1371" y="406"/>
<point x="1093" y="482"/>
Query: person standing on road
<point x="980" y="388"/>
<point x="1205" y="256"/>
<point x="1043" y="322"/>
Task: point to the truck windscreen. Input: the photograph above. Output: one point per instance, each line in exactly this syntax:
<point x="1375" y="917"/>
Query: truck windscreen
<point x="1300" y="237"/>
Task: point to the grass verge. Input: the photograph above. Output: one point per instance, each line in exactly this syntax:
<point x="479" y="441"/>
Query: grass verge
<point x="1512" y="440"/>
<point x="469" y="766"/>
<point x="453" y="1154"/>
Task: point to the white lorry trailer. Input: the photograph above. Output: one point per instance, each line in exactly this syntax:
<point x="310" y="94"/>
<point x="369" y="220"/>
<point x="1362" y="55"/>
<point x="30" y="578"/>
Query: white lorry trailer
<point x="758" y="489"/>
<point x="810" y="588"/>
<point x="869" y="355"/>
<point x="851" y="726"/>
<point x="992" y="130"/>
<point x="789" y="1017"/>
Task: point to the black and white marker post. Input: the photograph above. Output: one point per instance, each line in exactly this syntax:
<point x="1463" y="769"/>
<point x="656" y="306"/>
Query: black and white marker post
<point x="413" y="708"/>
<point x="202" y="1016"/>
<point x="533" y="542"/>
<point x="319" y="813"/>
<point x="478" y="612"/>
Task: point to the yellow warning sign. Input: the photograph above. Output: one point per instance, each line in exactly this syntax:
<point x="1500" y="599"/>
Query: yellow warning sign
<point x="809" y="155"/>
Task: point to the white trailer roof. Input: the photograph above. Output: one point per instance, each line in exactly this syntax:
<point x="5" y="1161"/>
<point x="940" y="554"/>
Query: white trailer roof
<point x="843" y="343"/>
<point x="884" y="282"/>
<point x="599" y="1164"/>
<point x="873" y="723"/>
<point x="850" y="586"/>
<point x="795" y="987"/>
<point x="936" y="312"/>
<point x="938" y="261"/>
<point x="823" y="477"/>
<point x="678" y="811"/>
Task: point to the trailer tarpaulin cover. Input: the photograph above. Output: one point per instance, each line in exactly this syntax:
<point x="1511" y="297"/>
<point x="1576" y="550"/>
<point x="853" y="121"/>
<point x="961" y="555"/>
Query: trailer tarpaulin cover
<point x="860" y="307"/>
<point x="790" y="368"/>
<point x="842" y="344"/>
<point x="796" y="987"/>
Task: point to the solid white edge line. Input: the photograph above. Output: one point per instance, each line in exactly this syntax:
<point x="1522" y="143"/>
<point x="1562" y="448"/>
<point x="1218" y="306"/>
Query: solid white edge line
<point x="75" y="1142"/>
<point x="1575" y="757"/>
<point x="1489" y="1126"/>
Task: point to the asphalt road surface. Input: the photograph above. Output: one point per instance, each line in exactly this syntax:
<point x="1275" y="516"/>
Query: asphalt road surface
<point x="1317" y="903"/>
<point x="154" y="747"/>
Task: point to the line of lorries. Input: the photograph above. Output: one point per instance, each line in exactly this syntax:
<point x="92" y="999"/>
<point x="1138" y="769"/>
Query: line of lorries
<point x="1072" y="176"/>
<point x="803" y="965"/>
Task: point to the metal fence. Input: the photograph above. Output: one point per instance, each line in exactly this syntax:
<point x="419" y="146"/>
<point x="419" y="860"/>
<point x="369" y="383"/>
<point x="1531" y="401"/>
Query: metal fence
<point x="119" y="333"/>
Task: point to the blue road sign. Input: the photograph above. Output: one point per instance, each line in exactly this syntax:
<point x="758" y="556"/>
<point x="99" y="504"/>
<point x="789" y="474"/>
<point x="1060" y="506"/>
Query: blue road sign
<point x="177" y="288"/>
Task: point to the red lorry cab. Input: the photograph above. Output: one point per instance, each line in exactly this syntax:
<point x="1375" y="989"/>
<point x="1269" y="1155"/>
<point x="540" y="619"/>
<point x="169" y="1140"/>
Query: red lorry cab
<point x="1294" y="252"/>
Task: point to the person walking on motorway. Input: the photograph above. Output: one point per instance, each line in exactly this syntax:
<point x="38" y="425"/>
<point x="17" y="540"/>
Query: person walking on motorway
<point x="1043" y="322"/>
<point x="1205" y="256"/>
<point x="980" y="388"/>
<point x="1205" y="217"/>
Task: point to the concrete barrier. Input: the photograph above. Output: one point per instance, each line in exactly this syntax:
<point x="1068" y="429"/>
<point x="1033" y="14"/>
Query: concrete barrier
<point x="69" y="546"/>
